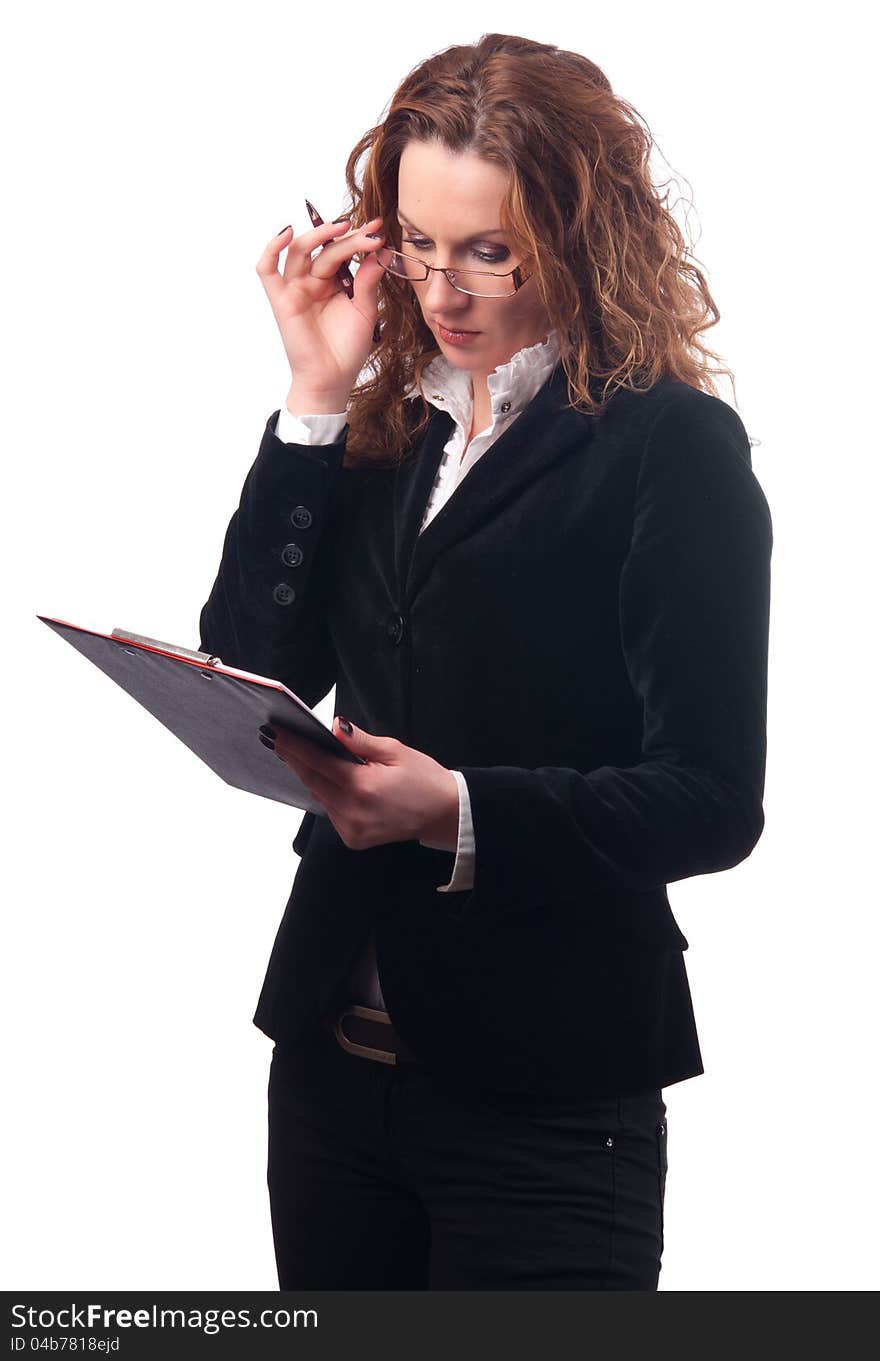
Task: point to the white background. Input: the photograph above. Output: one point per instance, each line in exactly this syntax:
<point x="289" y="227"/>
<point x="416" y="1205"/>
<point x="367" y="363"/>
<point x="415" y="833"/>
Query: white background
<point x="150" y="153"/>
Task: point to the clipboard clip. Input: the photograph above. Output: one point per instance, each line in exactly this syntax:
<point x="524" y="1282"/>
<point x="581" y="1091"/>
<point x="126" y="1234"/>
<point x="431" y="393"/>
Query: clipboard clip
<point x="206" y="658"/>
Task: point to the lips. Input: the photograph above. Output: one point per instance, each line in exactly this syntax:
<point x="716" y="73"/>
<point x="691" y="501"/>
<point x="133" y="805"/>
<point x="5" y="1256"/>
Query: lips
<point x="457" y="330"/>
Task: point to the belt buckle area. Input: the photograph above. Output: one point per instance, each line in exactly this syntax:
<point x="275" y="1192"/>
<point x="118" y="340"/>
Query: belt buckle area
<point x="363" y="1050"/>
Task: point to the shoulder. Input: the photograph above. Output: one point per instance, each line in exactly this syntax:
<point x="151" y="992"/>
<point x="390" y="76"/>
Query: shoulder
<point x="693" y="459"/>
<point x="677" y="432"/>
<point x="671" y="407"/>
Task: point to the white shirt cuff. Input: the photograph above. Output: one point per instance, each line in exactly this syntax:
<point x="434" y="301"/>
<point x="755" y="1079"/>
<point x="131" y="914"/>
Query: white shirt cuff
<point x="321" y="429"/>
<point x="463" y="869"/>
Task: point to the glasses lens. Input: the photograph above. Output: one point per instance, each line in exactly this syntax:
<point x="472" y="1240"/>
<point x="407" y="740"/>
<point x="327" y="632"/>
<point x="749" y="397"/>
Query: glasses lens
<point x="474" y="281"/>
<point x="482" y="284"/>
<point x="401" y="265"/>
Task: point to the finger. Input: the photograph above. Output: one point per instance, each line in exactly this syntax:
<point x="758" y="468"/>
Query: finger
<point x="331" y="796"/>
<point x="328" y="799"/>
<point x="299" y="251"/>
<point x="325" y="264"/>
<point x="297" y="261"/>
<point x="366" y="281"/>
<point x="268" y="261"/>
<point x="323" y="789"/>
<point x="308" y="758"/>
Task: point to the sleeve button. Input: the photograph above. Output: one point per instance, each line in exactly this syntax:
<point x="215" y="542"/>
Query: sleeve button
<point x="301" y="516"/>
<point x="292" y="554"/>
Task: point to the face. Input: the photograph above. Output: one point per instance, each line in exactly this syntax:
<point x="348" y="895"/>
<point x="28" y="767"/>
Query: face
<point x="449" y="213"/>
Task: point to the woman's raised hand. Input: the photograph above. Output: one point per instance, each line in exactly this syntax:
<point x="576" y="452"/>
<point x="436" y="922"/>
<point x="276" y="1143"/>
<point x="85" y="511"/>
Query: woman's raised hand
<point x="327" y="336"/>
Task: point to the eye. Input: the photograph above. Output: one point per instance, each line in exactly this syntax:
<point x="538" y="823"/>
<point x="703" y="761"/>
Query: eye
<point x="489" y="258"/>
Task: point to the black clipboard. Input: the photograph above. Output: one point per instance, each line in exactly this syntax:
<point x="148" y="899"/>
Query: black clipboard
<point x="215" y="710"/>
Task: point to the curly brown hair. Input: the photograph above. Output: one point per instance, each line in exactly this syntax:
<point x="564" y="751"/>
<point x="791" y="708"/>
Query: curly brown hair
<point x="608" y="258"/>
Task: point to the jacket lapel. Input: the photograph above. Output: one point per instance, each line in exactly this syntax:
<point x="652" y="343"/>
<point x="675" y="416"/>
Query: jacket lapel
<point x="542" y="434"/>
<point x="413" y="480"/>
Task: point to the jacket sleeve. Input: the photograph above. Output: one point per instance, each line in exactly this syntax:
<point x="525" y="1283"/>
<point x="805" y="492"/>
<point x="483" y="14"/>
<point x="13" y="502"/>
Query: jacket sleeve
<point x="266" y="610"/>
<point x="694" y="599"/>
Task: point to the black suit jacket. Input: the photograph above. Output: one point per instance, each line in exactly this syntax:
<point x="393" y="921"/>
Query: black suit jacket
<point x="582" y="630"/>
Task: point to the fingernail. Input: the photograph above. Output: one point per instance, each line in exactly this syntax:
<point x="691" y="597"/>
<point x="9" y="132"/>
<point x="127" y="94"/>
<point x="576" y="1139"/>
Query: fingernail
<point x="270" y="732"/>
<point x="344" y="725"/>
<point x="283" y="230"/>
<point x="266" y="742"/>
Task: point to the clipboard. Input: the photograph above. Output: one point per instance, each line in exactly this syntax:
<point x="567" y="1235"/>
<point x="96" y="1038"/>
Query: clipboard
<point x="214" y="709"/>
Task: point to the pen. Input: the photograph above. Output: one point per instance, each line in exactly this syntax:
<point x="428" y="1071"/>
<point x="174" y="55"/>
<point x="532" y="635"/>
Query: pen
<point x="343" y="273"/>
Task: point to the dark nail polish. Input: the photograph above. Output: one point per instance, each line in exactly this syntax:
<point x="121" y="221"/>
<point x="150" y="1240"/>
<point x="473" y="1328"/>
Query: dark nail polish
<point x="266" y="742"/>
<point x="270" y="732"/>
<point x="283" y="229"/>
<point x="344" y="725"/>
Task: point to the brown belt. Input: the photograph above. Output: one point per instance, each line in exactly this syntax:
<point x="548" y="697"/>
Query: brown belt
<point x="368" y="1033"/>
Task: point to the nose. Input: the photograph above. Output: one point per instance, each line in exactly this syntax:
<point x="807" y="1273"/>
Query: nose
<point x="441" y="297"/>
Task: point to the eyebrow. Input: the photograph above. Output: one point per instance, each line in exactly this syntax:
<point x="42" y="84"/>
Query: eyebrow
<point x="478" y="236"/>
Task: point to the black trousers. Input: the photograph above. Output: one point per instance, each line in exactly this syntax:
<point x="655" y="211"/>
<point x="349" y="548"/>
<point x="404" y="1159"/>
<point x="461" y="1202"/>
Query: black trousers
<point x="379" y="1179"/>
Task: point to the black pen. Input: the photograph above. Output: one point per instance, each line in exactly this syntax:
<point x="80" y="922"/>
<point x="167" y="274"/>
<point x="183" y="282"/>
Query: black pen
<point x="343" y="273"/>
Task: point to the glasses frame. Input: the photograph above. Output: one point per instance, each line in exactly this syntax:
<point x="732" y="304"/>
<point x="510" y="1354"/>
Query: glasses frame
<point x="517" y="274"/>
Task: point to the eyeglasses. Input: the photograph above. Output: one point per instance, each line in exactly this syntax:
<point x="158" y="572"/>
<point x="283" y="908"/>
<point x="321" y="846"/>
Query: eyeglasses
<point x="480" y="283"/>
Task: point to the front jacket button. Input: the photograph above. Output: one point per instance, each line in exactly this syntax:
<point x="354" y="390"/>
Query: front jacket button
<point x="292" y="554"/>
<point x="301" y="516"/>
<point x="394" y="628"/>
<point x="284" y="594"/>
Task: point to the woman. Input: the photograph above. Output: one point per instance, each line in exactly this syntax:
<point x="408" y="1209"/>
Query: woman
<point x="531" y="554"/>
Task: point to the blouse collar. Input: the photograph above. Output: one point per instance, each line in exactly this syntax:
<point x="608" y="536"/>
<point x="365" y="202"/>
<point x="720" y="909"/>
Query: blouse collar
<point x="512" y="385"/>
